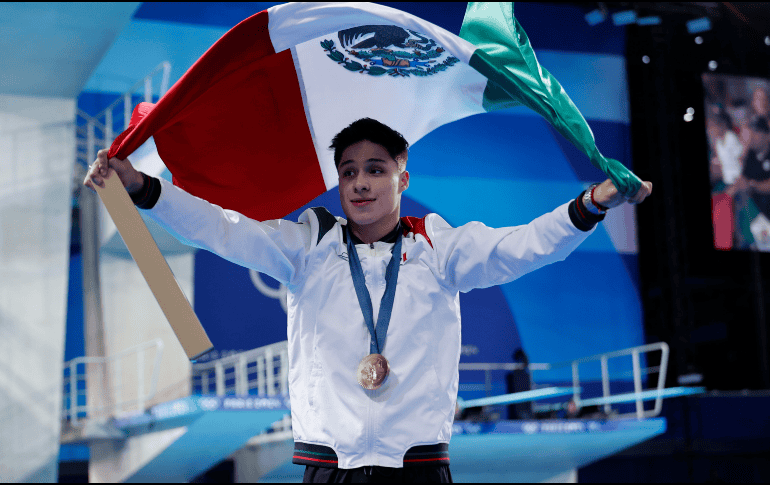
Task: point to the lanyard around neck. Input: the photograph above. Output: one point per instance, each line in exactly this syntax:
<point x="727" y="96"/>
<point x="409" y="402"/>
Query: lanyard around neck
<point x="378" y="334"/>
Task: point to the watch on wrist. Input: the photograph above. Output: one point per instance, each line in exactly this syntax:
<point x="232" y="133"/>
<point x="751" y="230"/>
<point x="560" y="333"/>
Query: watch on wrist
<point x="589" y="204"/>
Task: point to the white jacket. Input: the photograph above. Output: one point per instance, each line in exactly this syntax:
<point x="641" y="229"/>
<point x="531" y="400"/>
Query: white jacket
<point x="336" y="422"/>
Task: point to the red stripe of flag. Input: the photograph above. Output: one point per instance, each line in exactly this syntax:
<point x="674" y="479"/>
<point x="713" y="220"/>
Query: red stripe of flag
<point x="232" y="130"/>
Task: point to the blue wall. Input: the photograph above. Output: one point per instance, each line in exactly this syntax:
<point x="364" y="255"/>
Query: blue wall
<point x="74" y="345"/>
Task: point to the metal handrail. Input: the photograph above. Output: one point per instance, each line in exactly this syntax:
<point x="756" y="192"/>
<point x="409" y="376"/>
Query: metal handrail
<point x="640" y="395"/>
<point x="269" y="367"/>
<point x="89" y="118"/>
<point x="635" y="353"/>
<point x="262" y="363"/>
<point x="71" y="410"/>
<point x="165" y="66"/>
<point x="107" y="128"/>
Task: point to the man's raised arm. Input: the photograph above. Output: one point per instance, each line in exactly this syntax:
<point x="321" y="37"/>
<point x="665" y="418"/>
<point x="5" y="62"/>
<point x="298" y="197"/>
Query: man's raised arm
<point x="277" y="248"/>
<point x="477" y="256"/>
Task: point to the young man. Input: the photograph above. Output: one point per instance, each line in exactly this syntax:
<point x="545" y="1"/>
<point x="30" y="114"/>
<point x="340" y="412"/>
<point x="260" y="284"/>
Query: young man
<point x="374" y="317"/>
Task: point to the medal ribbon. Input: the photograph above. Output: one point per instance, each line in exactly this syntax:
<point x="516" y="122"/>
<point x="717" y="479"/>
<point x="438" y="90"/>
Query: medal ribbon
<point x="365" y="300"/>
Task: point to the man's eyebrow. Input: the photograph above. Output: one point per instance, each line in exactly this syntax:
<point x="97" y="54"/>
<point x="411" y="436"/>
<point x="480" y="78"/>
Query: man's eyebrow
<point x="370" y="160"/>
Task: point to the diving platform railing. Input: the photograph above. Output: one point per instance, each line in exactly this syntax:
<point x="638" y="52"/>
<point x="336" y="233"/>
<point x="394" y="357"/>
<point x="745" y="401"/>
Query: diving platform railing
<point x="638" y="397"/>
<point x="635" y="353"/>
<point x="98" y="131"/>
<point x="264" y="372"/>
<point x="78" y="405"/>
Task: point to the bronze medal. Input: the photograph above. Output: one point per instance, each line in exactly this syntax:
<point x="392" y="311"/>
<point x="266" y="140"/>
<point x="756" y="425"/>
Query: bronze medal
<point x="372" y="371"/>
<point x="374" y="368"/>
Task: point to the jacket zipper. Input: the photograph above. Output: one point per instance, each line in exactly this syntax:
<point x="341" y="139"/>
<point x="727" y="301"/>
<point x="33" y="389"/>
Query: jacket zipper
<point x="369" y="426"/>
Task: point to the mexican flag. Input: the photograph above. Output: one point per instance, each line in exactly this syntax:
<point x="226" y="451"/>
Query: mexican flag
<point x="248" y="126"/>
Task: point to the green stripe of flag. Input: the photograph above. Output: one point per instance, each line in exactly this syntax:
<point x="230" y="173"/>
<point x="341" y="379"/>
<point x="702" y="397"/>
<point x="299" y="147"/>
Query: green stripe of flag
<point x="505" y="56"/>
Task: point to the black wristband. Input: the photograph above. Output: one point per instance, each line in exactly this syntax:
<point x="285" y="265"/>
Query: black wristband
<point x="148" y="195"/>
<point x="581" y="217"/>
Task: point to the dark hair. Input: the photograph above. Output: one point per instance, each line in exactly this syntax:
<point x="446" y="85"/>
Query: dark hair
<point x="372" y="130"/>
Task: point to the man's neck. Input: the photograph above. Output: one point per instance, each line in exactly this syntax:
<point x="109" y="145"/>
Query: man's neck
<point x="370" y="233"/>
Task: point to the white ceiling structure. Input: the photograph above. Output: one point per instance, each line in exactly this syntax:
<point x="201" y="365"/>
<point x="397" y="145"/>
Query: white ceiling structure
<point x="50" y="49"/>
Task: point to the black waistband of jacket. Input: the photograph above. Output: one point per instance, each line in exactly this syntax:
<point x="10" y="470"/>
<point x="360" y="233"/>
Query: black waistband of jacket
<point x="325" y="457"/>
<point x="314" y="455"/>
<point x="427" y="455"/>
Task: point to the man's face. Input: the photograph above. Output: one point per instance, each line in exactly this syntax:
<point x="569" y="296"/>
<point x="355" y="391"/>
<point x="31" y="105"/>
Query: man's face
<point x="370" y="182"/>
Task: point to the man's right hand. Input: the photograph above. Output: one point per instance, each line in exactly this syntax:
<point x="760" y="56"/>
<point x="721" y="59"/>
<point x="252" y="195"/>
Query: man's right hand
<point x="131" y="178"/>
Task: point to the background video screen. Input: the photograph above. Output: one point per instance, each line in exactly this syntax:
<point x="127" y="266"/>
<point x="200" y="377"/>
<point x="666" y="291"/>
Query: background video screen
<point x="737" y="112"/>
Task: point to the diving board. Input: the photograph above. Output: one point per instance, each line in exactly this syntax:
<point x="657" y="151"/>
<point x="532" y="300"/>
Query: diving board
<point x="211" y="429"/>
<point x="536" y="451"/>
<point x="650" y="395"/>
<point x="517" y="397"/>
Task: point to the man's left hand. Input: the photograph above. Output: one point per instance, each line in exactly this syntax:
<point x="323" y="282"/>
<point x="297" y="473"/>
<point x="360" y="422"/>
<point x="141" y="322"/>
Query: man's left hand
<point x="607" y="194"/>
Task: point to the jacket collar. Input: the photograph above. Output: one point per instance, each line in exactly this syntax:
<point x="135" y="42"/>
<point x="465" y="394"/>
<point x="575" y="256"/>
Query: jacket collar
<point x="387" y="238"/>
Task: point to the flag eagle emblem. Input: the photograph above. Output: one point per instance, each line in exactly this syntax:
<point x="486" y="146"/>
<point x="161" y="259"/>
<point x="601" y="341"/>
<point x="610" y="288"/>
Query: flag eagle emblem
<point x="388" y="49"/>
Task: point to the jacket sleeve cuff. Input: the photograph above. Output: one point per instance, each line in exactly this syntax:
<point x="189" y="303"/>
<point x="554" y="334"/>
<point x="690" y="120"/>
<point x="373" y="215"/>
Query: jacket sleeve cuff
<point x="581" y="217"/>
<point x="148" y="195"/>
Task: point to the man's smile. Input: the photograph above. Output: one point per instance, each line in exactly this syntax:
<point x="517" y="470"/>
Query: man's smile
<point x="361" y="202"/>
